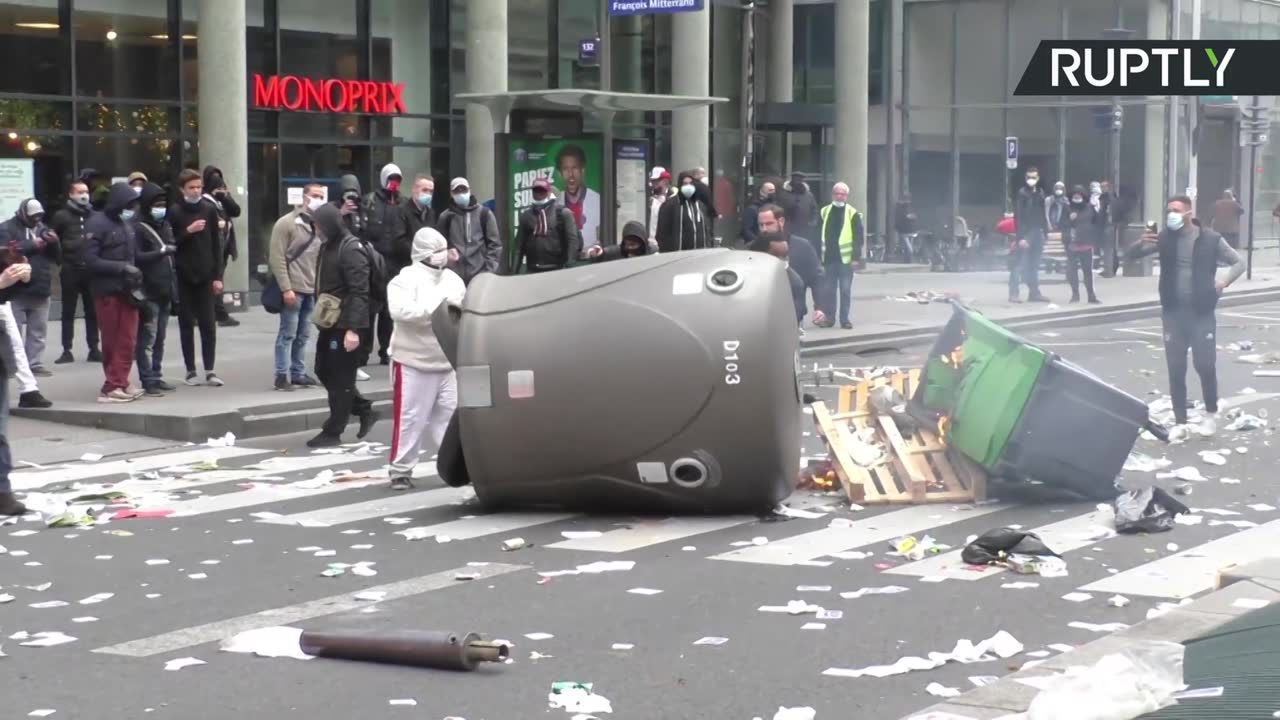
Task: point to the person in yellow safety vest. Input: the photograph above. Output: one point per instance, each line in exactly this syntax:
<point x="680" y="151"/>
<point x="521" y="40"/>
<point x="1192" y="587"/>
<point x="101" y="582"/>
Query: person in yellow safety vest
<point x="839" y="248"/>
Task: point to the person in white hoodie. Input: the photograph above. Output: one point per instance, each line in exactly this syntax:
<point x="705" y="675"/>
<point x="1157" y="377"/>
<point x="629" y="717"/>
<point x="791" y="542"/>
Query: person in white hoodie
<point x="425" y="388"/>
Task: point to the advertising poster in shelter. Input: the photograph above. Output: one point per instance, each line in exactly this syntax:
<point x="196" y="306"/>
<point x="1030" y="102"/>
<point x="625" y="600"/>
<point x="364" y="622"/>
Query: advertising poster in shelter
<point x="575" y="167"/>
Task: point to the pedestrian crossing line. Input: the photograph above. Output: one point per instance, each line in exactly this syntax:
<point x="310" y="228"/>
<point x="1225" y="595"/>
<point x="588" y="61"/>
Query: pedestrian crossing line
<point x="34" y="480"/>
<point x="482" y="525"/>
<point x="378" y="507"/>
<point x="1193" y="570"/>
<point x="332" y="605"/>
<point x="860" y="533"/>
<point x="1062" y="537"/>
<point x="284" y="465"/>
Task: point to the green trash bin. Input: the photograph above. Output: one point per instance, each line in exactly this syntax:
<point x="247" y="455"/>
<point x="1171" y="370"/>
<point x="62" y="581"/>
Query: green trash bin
<point x="1023" y="413"/>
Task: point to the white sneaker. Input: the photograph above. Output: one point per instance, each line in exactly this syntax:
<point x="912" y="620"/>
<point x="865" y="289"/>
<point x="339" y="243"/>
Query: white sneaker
<point x="116" y="396"/>
<point x="362" y="376"/>
<point x="1208" y="427"/>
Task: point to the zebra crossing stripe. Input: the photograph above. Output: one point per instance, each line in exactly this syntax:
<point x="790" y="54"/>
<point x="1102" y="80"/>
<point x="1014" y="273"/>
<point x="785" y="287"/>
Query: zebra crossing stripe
<point x="1062" y="537"/>
<point x="1193" y="570"/>
<point x="860" y="533"/>
<point x="34" y="480"/>
<point x="482" y="525"/>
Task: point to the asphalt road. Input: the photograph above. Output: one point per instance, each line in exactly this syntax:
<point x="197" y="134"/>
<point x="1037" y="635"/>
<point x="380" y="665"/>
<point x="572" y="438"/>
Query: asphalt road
<point x="638" y="649"/>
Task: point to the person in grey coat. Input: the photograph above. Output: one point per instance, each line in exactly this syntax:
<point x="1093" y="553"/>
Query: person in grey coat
<point x="472" y="230"/>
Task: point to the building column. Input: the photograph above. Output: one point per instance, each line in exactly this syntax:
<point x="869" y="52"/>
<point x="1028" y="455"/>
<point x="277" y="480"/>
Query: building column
<point x="781" y="72"/>
<point x="853" y="27"/>
<point x="486" y="38"/>
<point x="691" y="76"/>
<point x="411" y="65"/>
<point x="224" y="116"/>
<point x="1154" y="160"/>
<point x="628" y="64"/>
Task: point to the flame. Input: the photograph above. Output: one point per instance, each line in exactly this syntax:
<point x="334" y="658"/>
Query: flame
<point x="955" y="358"/>
<point x="944" y="423"/>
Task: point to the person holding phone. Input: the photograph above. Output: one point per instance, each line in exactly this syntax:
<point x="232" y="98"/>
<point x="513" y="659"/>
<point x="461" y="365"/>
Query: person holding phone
<point x="11" y="278"/>
<point x="199" y="261"/>
<point x="1189" y="290"/>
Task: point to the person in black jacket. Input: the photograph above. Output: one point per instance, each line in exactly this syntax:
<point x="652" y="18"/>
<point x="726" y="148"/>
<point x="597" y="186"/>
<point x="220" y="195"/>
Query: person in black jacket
<point x="684" y="221"/>
<point x="69" y="223"/>
<point x="155" y="249"/>
<point x="634" y="243"/>
<point x="1082" y="226"/>
<point x="1028" y="213"/>
<point x="342" y="273"/>
<point x="751" y="213"/>
<point x="216" y="192"/>
<point x="387" y="229"/>
<point x="199" y="266"/>
<point x="547" y="236"/>
<point x="10" y="278"/>
<point x="27" y="234"/>
<point x="801" y="255"/>
<point x="117" y="285"/>
<point x="418" y="210"/>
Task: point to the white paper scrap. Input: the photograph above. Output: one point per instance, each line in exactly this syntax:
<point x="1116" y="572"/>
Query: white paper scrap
<point x="852" y="555"/>
<point x="795" y="713"/>
<point x="45" y="712"/>
<point x="813" y="588"/>
<point x="1188" y="519"/>
<point x="1102" y="628"/>
<point x="281" y="641"/>
<point x="814" y="626"/>
<point x="1250" y="603"/>
<point x="1117" y="601"/>
<point x="1199" y="693"/>
<point x="371" y="595"/>
<point x="1261" y="507"/>
<point x="830" y="615"/>
<point x="85" y="619"/>
<point x="579" y="700"/>
<point x="405" y="702"/>
<point x="1020" y="585"/>
<point x="48" y="639"/>
<point x="711" y="641"/>
<point x="1213" y="458"/>
<point x="48" y="604"/>
<point x="91" y="457"/>
<point x="539" y="636"/>
<point x="940" y="690"/>
<point x="186" y="662"/>
<point x="887" y="590"/>
<point x="1002" y="645"/>
<point x="985" y="680"/>
<point x="581" y="534"/>
<point x="1189" y="474"/>
<point x="622" y="646"/>
<point x="1077" y="597"/>
<point x="644" y="591"/>
<point x="95" y="599"/>
<point x="593" y="568"/>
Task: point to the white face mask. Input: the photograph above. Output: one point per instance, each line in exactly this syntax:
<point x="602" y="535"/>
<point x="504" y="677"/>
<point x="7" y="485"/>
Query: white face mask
<point x="838" y="203"/>
<point x="1031" y="182"/>
<point x="1174" y="220"/>
<point x="1058" y="191"/>
<point x="315" y="203"/>
<point x="438" y="259"/>
<point x="687" y="190"/>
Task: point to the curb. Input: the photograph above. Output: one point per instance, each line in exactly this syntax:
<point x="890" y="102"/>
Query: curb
<point x="1258" y="580"/>
<point x="858" y="343"/>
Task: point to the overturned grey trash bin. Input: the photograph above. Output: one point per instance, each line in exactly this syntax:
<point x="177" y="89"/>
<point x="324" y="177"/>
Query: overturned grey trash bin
<point x="665" y="383"/>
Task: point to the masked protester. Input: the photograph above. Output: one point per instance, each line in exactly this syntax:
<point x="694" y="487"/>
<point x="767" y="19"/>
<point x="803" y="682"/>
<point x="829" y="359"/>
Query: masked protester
<point x="387" y="230"/>
<point x="10" y="279"/>
<point x="425" y="388"/>
<point x="68" y="222"/>
<point x="1028" y="248"/>
<point x="547" y="237"/>
<point x="292" y="259"/>
<point x="684" y="223"/>
<point x="155" y="251"/>
<point x="199" y="264"/>
<point x="634" y="244"/>
<point x="342" y="277"/>
<point x="659" y="191"/>
<point x="1055" y="210"/>
<point x="1189" y="292"/>
<point x="117" y="289"/>
<point x="418" y="209"/>
<point x="1082" y="232"/>
<point x="217" y="193"/>
<point x="799" y="203"/>
<point x="842" y="236"/>
<point x="27" y="234"/>
<point x="472" y="231"/>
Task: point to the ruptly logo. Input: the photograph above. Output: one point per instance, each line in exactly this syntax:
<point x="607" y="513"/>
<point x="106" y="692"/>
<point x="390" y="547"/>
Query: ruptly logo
<point x="1104" y="67"/>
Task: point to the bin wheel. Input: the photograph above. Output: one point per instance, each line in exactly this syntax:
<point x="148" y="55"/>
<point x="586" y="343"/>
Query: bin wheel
<point x="451" y="463"/>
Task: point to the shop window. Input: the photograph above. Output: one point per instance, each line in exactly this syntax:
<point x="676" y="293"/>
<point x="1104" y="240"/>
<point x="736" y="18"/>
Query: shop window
<point x="125" y="54"/>
<point x="27" y="115"/>
<point x="51" y="163"/>
<point x="117" y="156"/>
<point x="33" y="49"/>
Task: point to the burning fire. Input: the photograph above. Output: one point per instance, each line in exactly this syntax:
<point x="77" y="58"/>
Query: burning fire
<point x="944" y="423"/>
<point x="955" y="358"/>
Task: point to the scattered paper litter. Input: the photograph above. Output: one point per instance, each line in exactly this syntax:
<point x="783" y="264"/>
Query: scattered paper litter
<point x="91" y="457"/>
<point x="985" y="680"/>
<point x="1200" y="693"/>
<point x="1213" y="458"/>
<point x="1020" y="585"/>
<point x="6" y="598"/>
<point x="272" y="642"/>
<point x="581" y="534"/>
<point x="577" y="698"/>
<point x="1188" y="519"/>
<point x="539" y="636"/>
<point x="814" y="626"/>
<point x="186" y="662"/>
<point x="363" y="569"/>
<point x="22" y="533"/>
<point x="791" y="512"/>
<point x="593" y="568"/>
<point x="861" y="592"/>
<point x="795" y="713"/>
<point x="41" y="713"/>
<point x="1002" y="645"/>
<point x="47" y="639"/>
<point x="158" y="561"/>
<point x="1102" y="628"/>
<point x="1233" y="523"/>
<point x="1138" y="462"/>
<point x="711" y="641"/>
<point x="1077" y="597"/>
<point x="1229" y="481"/>
<point x="852" y="555"/>
<point x="228" y="440"/>
<point x="940" y="690"/>
<point x="1189" y="474"/>
<point x="371" y="595"/>
<point x="406" y="702"/>
<point x="1250" y="603"/>
<point x="813" y="588"/>
<point x="49" y="604"/>
<point x="1261" y="507"/>
<point x="85" y="619"/>
<point x="644" y="591"/>
<point x="830" y="615"/>
<point x="622" y="646"/>
<point x="1217" y="511"/>
<point x="95" y="599"/>
<point x="1117" y="601"/>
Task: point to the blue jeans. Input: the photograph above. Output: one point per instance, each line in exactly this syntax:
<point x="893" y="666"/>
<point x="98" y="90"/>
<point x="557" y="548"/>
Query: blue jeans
<point x="291" y="339"/>
<point x="839" y="290"/>
<point x="153" y="322"/>
<point x="1024" y="264"/>
<point x="6" y="460"/>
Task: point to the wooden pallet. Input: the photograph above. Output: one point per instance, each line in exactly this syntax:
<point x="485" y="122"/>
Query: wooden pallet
<point x="917" y="468"/>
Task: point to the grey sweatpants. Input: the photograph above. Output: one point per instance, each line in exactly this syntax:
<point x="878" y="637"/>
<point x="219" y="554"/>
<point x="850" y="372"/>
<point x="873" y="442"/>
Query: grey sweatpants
<point x="1185" y="329"/>
<point x="32" y="316"/>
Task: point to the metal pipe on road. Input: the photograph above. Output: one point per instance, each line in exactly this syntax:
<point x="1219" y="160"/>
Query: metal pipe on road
<point x="418" y="648"/>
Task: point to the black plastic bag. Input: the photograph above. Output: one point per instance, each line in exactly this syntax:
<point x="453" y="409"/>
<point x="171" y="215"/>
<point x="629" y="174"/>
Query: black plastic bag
<point x="1148" y="510"/>
<point x="995" y="545"/>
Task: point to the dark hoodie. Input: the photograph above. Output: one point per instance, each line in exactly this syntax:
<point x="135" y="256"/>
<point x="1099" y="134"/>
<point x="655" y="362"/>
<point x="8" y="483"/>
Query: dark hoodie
<point x="386" y="226"/>
<point x="349" y="186"/>
<point x="1082" y="225"/>
<point x="111" y="253"/>
<point x="22" y="234"/>
<point x="69" y="222"/>
<point x="343" y="269"/>
<point x="199" y="259"/>
<point x="226" y="205"/>
<point x="152" y="238"/>
<point x="633" y="230"/>
<point x="548" y="238"/>
<point x="684" y="223"/>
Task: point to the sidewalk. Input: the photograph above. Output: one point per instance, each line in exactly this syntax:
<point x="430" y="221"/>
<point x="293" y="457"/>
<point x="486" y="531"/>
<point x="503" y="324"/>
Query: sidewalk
<point x="247" y="406"/>
<point x="880" y="318"/>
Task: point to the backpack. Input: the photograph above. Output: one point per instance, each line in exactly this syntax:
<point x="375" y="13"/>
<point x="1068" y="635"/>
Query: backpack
<point x="378" y="279"/>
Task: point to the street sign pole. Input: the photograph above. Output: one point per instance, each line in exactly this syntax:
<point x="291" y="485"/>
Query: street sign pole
<point x="1254" y="124"/>
<point x="1010" y="164"/>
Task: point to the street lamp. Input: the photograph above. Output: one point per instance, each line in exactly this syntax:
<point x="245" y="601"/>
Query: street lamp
<point x="1117" y="33"/>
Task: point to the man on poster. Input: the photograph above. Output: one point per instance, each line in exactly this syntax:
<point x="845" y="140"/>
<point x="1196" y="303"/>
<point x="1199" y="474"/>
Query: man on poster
<point x="579" y="199"/>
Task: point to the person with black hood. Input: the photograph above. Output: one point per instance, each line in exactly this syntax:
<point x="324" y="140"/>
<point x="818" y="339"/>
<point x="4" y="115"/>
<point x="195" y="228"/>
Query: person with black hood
<point x="98" y="186"/>
<point x="387" y="229"/>
<point x="751" y="213"/>
<point x="10" y="279"/>
<point x="348" y="204"/>
<point x="635" y="243"/>
<point x="217" y="193"/>
<point x="155" y="250"/>
<point x="117" y="289"/>
<point x="199" y="265"/>
<point x="684" y="222"/>
<point x="472" y="231"/>
<point x="547" y="236"/>
<point x="1081" y="226"/>
<point x="69" y="221"/>
<point x="342" y="311"/>
<point x="799" y="203"/>
<point x="26" y="234"/>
